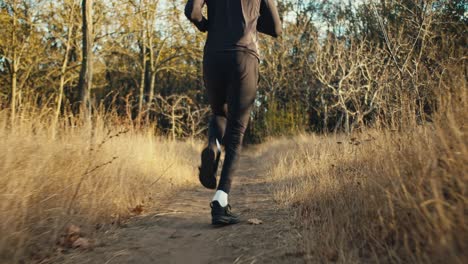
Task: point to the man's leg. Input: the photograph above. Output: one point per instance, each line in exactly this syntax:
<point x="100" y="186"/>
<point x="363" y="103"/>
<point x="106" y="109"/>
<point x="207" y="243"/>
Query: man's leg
<point x="217" y="125"/>
<point x="215" y="84"/>
<point x="241" y="92"/>
<point x="240" y="98"/>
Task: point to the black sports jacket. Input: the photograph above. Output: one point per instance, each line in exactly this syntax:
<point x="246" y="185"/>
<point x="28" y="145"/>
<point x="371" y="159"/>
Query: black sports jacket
<point x="233" y="24"/>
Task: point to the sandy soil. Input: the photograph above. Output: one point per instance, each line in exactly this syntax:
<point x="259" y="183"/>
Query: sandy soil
<point x="180" y="231"/>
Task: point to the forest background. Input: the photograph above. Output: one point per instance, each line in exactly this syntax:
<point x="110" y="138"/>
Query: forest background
<point x="361" y="111"/>
<point x="339" y="66"/>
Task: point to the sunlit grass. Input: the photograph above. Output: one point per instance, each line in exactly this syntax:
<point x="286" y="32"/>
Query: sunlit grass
<point x="47" y="183"/>
<point x="377" y="196"/>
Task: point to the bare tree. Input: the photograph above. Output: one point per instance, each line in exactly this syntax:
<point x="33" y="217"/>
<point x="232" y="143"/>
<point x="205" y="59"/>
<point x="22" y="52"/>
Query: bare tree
<point x="68" y="45"/>
<point x="185" y="117"/>
<point x="86" y="73"/>
<point x="15" y="61"/>
<point x="20" y="48"/>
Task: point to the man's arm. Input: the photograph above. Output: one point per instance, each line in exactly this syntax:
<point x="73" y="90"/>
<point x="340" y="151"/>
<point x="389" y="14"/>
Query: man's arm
<point x="269" y="21"/>
<point x="193" y="11"/>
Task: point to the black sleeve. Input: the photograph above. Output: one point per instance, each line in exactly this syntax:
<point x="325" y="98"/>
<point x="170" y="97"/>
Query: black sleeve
<point x="269" y="22"/>
<point x="193" y="11"/>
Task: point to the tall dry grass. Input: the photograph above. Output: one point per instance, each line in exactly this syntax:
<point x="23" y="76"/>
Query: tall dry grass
<point x="48" y="182"/>
<point x="379" y="196"/>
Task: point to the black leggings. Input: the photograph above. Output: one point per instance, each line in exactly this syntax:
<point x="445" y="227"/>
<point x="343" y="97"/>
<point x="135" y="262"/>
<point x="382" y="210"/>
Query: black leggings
<point x="231" y="79"/>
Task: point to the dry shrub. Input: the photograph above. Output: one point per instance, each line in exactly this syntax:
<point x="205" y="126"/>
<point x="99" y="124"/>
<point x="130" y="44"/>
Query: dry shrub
<point x="49" y="183"/>
<point x="379" y="196"/>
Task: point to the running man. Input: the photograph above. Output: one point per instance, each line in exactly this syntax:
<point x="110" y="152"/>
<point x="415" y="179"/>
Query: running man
<point x="230" y="73"/>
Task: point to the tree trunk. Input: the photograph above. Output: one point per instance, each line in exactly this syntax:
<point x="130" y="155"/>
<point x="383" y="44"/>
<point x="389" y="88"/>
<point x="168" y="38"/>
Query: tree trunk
<point x="151" y="94"/>
<point x="14" y="67"/>
<point x="86" y="73"/>
<point x="142" y="80"/>
<point x="152" y="70"/>
<point x="347" y="127"/>
<point x="62" y="74"/>
<point x="173" y="117"/>
<point x="13" y="92"/>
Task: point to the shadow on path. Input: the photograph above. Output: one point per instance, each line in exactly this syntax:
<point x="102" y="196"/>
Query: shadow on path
<point x="181" y="231"/>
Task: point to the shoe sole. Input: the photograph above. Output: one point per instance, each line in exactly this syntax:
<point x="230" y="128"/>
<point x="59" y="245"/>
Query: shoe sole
<point x="208" y="169"/>
<point x="223" y="221"/>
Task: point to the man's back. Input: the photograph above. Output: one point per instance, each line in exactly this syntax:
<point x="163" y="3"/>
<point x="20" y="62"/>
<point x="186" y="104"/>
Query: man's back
<point x="232" y="24"/>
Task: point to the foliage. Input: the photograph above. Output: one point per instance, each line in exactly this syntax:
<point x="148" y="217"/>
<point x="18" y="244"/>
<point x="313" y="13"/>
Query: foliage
<point x="338" y="66"/>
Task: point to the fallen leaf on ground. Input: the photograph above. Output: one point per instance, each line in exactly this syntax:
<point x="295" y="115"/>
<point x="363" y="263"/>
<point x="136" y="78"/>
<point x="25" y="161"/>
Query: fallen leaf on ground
<point x="255" y="221"/>
<point x="137" y="210"/>
<point x="82" y="243"/>
<point x="73" y="230"/>
<point x="71" y="234"/>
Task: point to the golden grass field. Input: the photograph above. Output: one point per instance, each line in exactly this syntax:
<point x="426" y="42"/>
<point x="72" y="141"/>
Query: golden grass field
<point x="378" y="196"/>
<point x="374" y="196"/>
<point x="47" y="184"/>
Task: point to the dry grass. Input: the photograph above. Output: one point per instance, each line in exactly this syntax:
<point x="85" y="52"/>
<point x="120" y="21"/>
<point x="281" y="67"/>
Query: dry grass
<point x="47" y="184"/>
<point x="378" y="196"/>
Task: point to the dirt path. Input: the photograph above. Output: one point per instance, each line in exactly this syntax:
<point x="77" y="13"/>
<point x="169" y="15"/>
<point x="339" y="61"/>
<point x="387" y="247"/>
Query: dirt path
<point x="181" y="231"/>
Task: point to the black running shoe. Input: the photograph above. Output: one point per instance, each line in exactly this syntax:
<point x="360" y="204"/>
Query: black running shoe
<point x="222" y="215"/>
<point x="209" y="167"/>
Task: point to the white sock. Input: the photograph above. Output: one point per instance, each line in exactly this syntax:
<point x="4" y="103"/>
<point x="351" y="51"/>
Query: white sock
<point x="218" y="145"/>
<point x="221" y="197"/>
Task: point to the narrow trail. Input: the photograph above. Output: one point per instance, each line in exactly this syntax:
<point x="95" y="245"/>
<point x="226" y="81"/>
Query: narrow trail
<point x="180" y="232"/>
